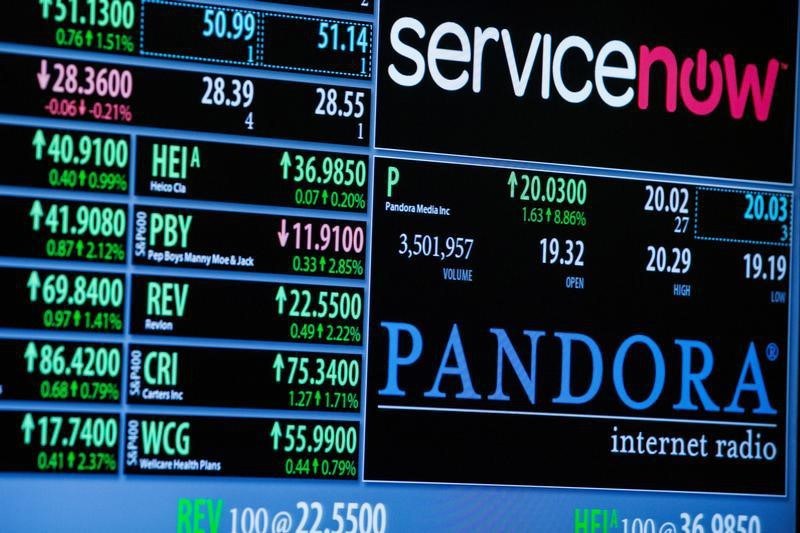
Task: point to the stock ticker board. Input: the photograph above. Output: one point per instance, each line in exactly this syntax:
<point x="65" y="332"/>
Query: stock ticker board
<point x="363" y="266"/>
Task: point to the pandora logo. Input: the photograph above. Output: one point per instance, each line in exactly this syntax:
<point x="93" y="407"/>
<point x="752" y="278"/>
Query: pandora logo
<point x="694" y="361"/>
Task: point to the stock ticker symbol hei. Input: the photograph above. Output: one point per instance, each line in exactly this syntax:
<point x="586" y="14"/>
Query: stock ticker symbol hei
<point x="594" y="520"/>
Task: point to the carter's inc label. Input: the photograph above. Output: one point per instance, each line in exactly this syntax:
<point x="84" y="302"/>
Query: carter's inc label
<point x="549" y="82"/>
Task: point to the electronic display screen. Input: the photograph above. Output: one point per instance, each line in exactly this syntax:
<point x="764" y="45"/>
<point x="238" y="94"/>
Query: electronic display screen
<point x="368" y="266"/>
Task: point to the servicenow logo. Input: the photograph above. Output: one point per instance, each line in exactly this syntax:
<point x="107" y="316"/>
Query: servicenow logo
<point x="700" y="84"/>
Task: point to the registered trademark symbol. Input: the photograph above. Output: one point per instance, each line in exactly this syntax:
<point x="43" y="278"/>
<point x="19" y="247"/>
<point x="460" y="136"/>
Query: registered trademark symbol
<point x="772" y="351"/>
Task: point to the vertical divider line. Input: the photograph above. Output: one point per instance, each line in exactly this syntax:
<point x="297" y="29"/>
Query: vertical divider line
<point x="126" y="316"/>
<point x="368" y="256"/>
